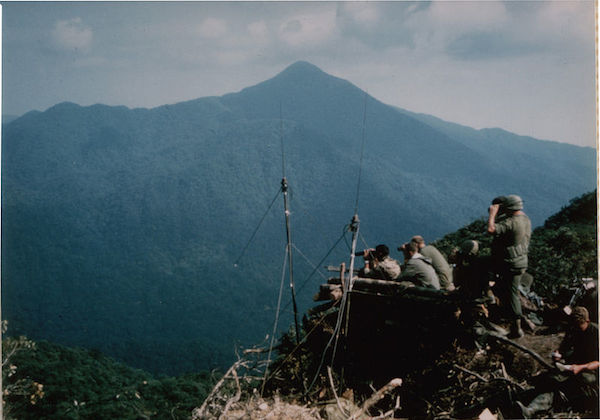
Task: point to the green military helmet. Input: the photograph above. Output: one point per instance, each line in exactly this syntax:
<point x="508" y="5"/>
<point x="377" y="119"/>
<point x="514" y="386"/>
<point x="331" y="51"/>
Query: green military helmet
<point x="469" y="247"/>
<point x="513" y="202"/>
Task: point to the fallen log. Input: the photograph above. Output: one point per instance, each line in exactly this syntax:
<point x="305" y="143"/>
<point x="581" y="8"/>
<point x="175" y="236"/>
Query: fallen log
<point x="393" y="289"/>
<point x="405" y="289"/>
<point x="533" y="354"/>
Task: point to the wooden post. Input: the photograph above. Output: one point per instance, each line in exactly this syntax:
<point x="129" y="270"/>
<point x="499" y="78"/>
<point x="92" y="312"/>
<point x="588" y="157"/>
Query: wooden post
<point x="342" y="272"/>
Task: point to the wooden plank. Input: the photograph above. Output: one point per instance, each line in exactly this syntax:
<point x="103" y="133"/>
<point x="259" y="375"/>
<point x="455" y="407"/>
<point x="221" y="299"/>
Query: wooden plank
<point x="337" y="269"/>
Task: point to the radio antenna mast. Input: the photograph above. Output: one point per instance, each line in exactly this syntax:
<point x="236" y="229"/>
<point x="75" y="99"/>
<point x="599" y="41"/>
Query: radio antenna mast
<point x="288" y="230"/>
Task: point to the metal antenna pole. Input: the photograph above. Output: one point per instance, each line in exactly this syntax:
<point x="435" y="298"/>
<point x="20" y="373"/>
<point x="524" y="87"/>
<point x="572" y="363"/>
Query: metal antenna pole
<point x="344" y="313"/>
<point x="354" y="225"/>
<point x="284" y="189"/>
<point x="354" y="229"/>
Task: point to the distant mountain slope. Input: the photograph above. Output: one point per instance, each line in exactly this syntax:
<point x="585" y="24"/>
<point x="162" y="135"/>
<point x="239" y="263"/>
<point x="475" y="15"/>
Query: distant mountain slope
<point x="6" y="118"/>
<point x="530" y="158"/>
<point x="121" y="226"/>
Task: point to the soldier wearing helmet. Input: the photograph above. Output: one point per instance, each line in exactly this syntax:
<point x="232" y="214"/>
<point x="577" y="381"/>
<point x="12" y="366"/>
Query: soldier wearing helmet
<point x="511" y="229"/>
<point x="470" y="270"/>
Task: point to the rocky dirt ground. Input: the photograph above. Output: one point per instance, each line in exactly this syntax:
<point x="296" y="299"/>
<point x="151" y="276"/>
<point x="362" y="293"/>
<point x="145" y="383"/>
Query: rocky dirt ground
<point x="477" y="376"/>
<point x="463" y="383"/>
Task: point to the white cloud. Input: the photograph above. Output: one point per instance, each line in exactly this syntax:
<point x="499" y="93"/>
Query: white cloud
<point x="258" y="30"/>
<point x="435" y="27"/>
<point x="467" y="16"/>
<point x="212" y="28"/>
<point x="565" y="19"/>
<point x="231" y="58"/>
<point x="309" y="29"/>
<point x="72" y="35"/>
<point x="361" y="12"/>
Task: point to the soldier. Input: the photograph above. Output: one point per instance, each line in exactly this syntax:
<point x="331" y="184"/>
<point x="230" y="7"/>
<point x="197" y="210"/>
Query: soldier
<point x="511" y="229"/>
<point x="578" y="380"/>
<point x="440" y="265"/>
<point x="471" y="271"/>
<point x="379" y="264"/>
<point x="417" y="268"/>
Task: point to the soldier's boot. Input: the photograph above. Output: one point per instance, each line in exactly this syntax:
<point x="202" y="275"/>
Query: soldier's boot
<point x="541" y="403"/>
<point x="515" y="329"/>
<point x="526" y="413"/>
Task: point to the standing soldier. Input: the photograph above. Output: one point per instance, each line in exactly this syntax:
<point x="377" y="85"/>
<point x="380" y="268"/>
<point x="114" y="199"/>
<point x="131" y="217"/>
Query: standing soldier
<point x="511" y="229"/>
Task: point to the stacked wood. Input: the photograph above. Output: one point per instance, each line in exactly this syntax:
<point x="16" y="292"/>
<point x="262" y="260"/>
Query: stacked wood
<point x="402" y="290"/>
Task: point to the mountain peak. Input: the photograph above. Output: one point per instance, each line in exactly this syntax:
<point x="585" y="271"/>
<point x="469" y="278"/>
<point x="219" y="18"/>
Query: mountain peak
<point x="300" y="80"/>
<point x="302" y="71"/>
<point x="302" y="66"/>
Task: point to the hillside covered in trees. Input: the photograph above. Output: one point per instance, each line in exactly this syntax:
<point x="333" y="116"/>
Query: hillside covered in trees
<point x="45" y="380"/>
<point x="121" y="228"/>
<point x="460" y="368"/>
<point x="563" y="249"/>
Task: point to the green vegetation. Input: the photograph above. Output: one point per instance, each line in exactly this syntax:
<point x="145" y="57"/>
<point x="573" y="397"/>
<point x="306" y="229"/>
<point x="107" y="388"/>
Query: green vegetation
<point x="565" y="247"/>
<point x="562" y="250"/>
<point x="121" y="227"/>
<point x="47" y="381"/>
<point x="476" y="230"/>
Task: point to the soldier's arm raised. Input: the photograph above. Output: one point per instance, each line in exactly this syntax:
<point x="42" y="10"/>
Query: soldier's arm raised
<point x="493" y="211"/>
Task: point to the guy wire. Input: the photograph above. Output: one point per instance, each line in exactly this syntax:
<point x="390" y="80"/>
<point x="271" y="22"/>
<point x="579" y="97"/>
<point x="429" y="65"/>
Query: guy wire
<point x="256" y="229"/>
<point x="276" y="320"/>
<point x="281" y="140"/>
<point x="362" y="153"/>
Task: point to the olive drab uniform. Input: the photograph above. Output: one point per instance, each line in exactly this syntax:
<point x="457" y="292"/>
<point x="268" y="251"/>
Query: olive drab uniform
<point x="440" y="265"/>
<point x="509" y="253"/>
<point x="419" y="270"/>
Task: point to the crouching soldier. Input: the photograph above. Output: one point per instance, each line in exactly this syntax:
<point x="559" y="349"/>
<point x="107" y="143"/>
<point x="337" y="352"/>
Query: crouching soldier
<point x="440" y="265"/>
<point x="418" y="269"/>
<point x="578" y="379"/>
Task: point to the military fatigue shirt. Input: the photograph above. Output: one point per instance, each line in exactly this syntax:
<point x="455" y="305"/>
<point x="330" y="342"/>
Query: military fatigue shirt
<point x="388" y="269"/>
<point x="419" y="270"/>
<point x="511" y="241"/>
<point x="440" y="265"/>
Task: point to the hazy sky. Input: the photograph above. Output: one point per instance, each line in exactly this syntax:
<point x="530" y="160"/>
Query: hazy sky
<point x="527" y="67"/>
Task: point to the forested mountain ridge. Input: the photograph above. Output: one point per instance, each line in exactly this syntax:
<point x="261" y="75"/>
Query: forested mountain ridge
<point x="45" y="380"/>
<point x="121" y="226"/>
<point x="507" y="150"/>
